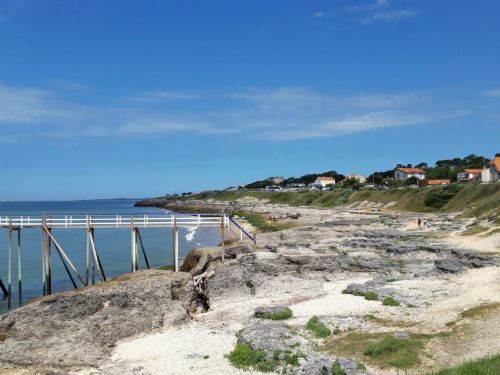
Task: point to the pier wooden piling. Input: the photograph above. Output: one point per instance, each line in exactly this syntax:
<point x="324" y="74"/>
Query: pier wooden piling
<point x="97" y="261"/>
<point x="175" y="239"/>
<point x="146" y="261"/>
<point x="3" y="288"/>
<point x="19" y="269"/>
<point x="222" y="242"/>
<point x="9" y="270"/>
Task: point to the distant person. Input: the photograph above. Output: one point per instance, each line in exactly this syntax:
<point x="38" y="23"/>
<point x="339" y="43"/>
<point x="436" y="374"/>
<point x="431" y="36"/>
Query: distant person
<point x="419" y="222"/>
<point x="425" y="223"/>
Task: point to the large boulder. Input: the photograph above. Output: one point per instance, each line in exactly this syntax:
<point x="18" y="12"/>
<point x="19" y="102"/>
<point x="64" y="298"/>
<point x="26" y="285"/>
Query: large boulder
<point x="449" y="265"/>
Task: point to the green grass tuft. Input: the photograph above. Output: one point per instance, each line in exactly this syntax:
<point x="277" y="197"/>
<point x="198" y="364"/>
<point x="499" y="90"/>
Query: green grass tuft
<point x="483" y="366"/>
<point x="389" y="301"/>
<point x="244" y="357"/>
<point x="280" y="315"/>
<point x="318" y="328"/>
<point x="371" y="296"/>
<point x="336" y="369"/>
<point x="360" y="366"/>
<point x="396" y="353"/>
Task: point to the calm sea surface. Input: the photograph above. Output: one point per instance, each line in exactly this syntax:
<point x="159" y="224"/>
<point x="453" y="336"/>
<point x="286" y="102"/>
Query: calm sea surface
<point x="113" y="245"/>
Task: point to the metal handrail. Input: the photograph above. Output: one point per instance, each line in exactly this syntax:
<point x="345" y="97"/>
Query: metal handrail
<point x="117" y="221"/>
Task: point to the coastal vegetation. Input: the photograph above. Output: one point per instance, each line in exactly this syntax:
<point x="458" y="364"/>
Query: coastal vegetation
<point x="389" y="301"/>
<point x="243" y="356"/>
<point x="395" y="352"/>
<point x="483" y="366"/>
<point x="476" y="200"/>
<point x="275" y="315"/>
<point x="260" y="223"/>
<point x="371" y="296"/>
<point x="317" y="328"/>
<point x="379" y="349"/>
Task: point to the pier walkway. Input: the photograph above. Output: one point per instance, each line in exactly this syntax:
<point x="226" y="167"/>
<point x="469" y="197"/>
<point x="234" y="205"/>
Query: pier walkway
<point x="47" y="223"/>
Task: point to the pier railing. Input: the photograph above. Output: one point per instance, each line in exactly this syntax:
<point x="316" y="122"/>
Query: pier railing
<point x="94" y="267"/>
<point x="114" y="221"/>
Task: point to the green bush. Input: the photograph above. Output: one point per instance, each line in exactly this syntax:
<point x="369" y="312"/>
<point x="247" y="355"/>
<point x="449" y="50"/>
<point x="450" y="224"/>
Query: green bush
<point x="336" y="369"/>
<point x="318" y="328"/>
<point x="279" y="315"/>
<point x="389" y="301"/>
<point x="243" y="356"/>
<point x="438" y="197"/>
<point x="371" y="296"/>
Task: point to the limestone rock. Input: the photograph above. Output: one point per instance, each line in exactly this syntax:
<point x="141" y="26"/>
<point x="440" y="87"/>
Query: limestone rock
<point x="80" y="328"/>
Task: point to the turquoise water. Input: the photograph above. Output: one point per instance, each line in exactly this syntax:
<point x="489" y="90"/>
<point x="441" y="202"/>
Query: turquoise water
<point x="113" y="245"/>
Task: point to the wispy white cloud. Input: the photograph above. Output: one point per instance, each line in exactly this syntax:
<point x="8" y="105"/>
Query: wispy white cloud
<point x="148" y="127"/>
<point x="393" y="15"/>
<point x="376" y="11"/>
<point x="303" y="98"/>
<point x="29" y="105"/>
<point x="360" y="123"/>
<point x="159" y="96"/>
<point x="378" y="4"/>
<point x="287" y="113"/>
<point x="494" y="92"/>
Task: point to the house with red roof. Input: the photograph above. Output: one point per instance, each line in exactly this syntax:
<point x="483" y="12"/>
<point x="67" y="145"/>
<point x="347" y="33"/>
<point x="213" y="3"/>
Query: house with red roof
<point x="324" y="181"/>
<point x="492" y="173"/>
<point x="406" y="173"/>
<point x="469" y="175"/>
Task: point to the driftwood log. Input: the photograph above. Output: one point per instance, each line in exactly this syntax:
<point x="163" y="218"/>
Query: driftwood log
<point x="199" y="283"/>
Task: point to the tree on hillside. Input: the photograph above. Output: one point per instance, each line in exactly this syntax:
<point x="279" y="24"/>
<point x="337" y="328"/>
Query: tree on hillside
<point x="380" y="177"/>
<point x="449" y="168"/>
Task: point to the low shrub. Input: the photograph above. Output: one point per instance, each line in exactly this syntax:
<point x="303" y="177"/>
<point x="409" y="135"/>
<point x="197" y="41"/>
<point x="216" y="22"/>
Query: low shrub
<point x="389" y="301"/>
<point x="336" y="369"/>
<point x="243" y="356"/>
<point x="440" y="196"/>
<point x="371" y="296"/>
<point x="279" y="315"/>
<point x="318" y="328"/>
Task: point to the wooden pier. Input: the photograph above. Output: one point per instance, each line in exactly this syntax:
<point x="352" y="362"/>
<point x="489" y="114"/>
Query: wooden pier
<point x="94" y="266"/>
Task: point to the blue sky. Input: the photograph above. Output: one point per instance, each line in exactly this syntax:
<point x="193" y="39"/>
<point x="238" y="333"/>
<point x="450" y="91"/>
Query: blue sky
<point x="141" y="98"/>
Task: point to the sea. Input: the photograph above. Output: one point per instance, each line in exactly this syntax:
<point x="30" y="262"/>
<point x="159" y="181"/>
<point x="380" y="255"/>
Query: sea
<point x="113" y="245"/>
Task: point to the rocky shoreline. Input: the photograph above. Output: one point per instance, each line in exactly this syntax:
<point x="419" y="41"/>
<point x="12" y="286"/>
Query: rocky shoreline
<point x="326" y="266"/>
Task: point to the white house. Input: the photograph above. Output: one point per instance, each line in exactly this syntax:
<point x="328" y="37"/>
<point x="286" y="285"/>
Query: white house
<point x="276" y="180"/>
<point x="406" y="173"/>
<point x="492" y="173"/>
<point x="324" y="181"/>
<point x="355" y="176"/>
